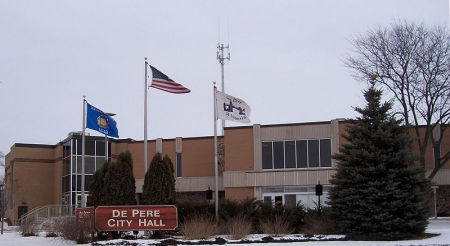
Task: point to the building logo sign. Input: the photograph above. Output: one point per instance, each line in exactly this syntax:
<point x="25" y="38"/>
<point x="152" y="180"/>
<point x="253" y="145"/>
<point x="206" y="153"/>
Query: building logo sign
<point x="135" y="218"/>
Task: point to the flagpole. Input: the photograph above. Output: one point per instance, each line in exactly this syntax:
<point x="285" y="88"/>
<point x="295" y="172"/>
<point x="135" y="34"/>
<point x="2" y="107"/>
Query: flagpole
<point x="145" y="119"/>
<point x="216" y="192"/>
<point x="106" y="148"/>
<point x="83" y="144"/>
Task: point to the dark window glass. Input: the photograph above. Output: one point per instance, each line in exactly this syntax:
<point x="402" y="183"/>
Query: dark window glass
<point x="313" y="153"/>
<point x="179" y="166"/>
<point x="68" y="183"/>
<point x="325" y="153"/>
<point x="278" y="154"/>
<point x="302" y="154"/>
<point x="78" y="164"/>
<point x="100" y="145"/>
<point x="87" y="180"/>
<point x="79" y="182"/>
<point x="74" y="198"/>
<point x="289" y="201"/>
<point x="74" y="147"/>
<point x="99" y="161"/>
<point x="89" y="165"/>
<point x="278" y="201"/>
<point x="290" y="154"/>
<point x="268" y="200"/>
<point x="74" y="182"/>
<point x="66" y="149"/>
<point x="267" y="155"/>
<point x="90" y="147"/>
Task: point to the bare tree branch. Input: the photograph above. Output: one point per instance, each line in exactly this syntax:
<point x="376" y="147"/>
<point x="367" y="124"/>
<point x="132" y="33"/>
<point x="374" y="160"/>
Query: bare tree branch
<point x="412" y="62"/>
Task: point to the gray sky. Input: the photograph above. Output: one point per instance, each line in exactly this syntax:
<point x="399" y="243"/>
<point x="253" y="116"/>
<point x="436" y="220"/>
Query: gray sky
<point x="286" y="61"/>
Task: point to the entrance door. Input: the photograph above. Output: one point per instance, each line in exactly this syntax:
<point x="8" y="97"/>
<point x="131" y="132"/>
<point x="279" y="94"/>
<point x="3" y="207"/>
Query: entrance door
<point x="21" y="210"/>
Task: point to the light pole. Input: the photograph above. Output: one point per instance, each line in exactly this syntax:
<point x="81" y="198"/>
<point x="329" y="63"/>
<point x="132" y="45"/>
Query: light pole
<point x="435" y="187"/>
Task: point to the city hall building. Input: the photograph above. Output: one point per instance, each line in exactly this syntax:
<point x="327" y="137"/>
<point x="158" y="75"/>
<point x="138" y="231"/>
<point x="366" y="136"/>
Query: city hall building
<point x="280" y="164"/>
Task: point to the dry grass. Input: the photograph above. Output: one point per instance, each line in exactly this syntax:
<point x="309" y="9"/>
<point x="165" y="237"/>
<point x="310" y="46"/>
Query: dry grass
<point x="199" y="227"/>
<point x="28" y="228"/>
<point x="71" y="230"/>
<point x="238" y="227"/>
<point x="276" y="227"/>
<point x="315" y="226"/>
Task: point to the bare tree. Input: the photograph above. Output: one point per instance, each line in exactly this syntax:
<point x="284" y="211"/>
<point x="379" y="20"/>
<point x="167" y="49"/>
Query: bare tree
<point x="412" y="62"/>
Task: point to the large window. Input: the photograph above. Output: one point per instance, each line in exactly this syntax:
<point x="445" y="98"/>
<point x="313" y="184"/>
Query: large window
<point x="307" y="153"/>
<point x="72" y="165"/>
<point x="290" y="196"/>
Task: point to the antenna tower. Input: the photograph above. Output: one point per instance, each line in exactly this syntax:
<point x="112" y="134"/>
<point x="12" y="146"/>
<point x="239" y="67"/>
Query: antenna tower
<point x="221" y="58"/>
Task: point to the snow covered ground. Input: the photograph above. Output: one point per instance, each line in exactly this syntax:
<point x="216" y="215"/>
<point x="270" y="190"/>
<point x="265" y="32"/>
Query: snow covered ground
<point x="440" y="226"/>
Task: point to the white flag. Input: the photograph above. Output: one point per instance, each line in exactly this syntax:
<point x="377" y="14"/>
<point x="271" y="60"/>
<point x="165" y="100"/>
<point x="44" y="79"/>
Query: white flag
<point x="232" y="108"/>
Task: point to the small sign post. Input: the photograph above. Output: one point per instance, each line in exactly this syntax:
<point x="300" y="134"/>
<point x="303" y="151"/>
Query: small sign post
<point x="86" y="216"/>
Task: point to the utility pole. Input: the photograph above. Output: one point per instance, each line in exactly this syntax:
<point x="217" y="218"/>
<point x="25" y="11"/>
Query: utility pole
<point x="221" y="58"/>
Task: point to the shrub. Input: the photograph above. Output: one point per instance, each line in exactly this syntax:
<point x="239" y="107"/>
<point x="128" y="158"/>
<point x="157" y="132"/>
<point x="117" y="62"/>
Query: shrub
<point x="238" y="227"/>
<point x="159" y="183"/>
<point x="28" y="228"/>
<point x="319" y="222"/>
<point x="277" y="226"/>
<point x="119" y="183"/>
<point x="199" y="227"/>
<point x="189" y="209"/>
<point x="71" y="230"/>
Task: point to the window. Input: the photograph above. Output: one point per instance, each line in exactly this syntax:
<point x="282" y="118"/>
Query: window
<point x="90" y="147"/>
<point x="302" y="153"/>
<point x="289" y="147"/>
<point x="308" y="153"/>
<point x="313" y="153"/>
<point x="291" y="196"/>
<point x="267" y="155"/>
<point x="290" y="200"/>
<point x="278" y="154"/>
<point x="179" y="170"/>
<point x="325" y="153"/>
<point x="100" y="148"/>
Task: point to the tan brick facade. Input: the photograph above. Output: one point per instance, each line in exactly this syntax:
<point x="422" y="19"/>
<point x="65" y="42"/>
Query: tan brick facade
<point x="34" y="172"/>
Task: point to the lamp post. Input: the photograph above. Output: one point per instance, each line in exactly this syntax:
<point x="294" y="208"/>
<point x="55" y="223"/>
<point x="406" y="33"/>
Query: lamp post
<point x="435" y="187"/>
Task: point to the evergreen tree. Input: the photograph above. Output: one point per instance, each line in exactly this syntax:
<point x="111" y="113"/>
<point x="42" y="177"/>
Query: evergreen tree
<point x="120" y="187"/>
<point x="159" y="183"/>
<point x="377" y="192"/>
<point x="97" y="187"/>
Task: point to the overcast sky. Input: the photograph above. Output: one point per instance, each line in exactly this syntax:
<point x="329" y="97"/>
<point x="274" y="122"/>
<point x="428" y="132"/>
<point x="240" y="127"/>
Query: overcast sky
<point x="286" y="61"/>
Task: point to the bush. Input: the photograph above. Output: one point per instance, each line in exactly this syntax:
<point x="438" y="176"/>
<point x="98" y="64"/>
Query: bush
<point x="159" y="183"/>
<point x="188" y="210"/>
<point x="277" y="226"/>
<point x="71" y="230"/>
<point x="256" y="212"/>
<point x="28" y="228"/>
<point x="238" y="227"/>
<point x="319" y="222"/>
<point x="199" y="227"/>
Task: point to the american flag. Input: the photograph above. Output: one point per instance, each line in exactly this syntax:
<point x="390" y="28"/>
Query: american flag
<point x="164" y="83"/>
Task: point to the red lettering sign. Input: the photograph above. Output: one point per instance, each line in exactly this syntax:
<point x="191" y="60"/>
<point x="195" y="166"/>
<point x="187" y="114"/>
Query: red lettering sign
<point x="136" y="218"/>
<point x="85" y="215"/>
